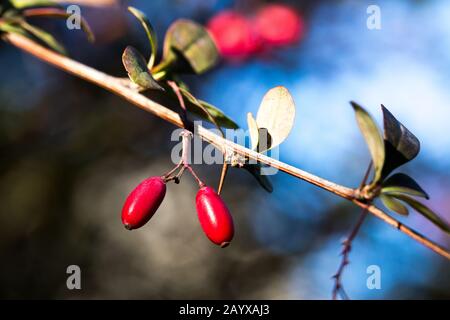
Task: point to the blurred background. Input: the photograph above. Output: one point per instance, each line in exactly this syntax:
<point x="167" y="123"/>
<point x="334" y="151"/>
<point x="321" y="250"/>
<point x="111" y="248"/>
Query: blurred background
<point x="71" y="152"/>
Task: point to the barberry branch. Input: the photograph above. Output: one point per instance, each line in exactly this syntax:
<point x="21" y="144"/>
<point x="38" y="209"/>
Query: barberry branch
<point x="129" y="92"/>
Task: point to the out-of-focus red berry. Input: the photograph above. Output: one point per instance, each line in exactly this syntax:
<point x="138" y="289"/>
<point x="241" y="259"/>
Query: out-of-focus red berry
<point x="279" y="25"/>
<point x="234" y="35"/>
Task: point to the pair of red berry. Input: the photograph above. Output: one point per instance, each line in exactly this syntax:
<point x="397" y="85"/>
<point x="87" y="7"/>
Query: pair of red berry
<point x="240" y="36"/>
<point x="213" y="214"/>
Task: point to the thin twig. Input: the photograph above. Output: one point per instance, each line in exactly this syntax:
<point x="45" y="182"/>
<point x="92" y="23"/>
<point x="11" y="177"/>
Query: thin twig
<point x="168" y="176"/>
<point x="347" y="245"/>
<point x="179" y="91"/>
<point x="118" y="87"/>
<point x="184" y="162"/>
<point x="186" y="135"/>
<point x="366" y="176"/>
<point x="223" y="174"/>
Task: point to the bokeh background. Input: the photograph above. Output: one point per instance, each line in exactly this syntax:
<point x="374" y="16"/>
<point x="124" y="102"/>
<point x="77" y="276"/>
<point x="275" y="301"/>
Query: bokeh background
<point x="70" y="153"/>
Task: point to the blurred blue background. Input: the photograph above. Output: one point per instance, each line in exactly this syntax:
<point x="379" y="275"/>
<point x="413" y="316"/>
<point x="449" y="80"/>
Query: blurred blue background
<point x="71" y="152"/>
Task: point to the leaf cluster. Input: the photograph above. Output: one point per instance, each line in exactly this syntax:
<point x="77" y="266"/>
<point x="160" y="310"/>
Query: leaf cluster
<point x="390" y="150"/>
<point x="14" y="15"/>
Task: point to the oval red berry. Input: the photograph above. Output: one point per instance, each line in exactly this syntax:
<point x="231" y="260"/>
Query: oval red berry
<point x="143" y="202"/>
<point x="214" y="217"/>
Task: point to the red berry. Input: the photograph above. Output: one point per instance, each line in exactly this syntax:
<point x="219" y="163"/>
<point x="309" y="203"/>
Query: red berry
<point x="143" y="202"/>
<point x="279" y="25"/>
<point x="214" y="216"/>
<point x="234" y="35"/>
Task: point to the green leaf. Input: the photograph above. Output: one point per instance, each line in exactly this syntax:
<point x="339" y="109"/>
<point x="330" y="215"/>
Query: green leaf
<point x="195" y="102"/>
<point x="182" y="85"/>
<point x="373" y="138"/>
<point x="401" y="145"/>
<point x="61" y="14"/>
<point x="151" y="34"/>
<point x="11" y="28"/>
<point x="425" y="211"/>
<point x="394" y="205"/>
<point x="253" y="130"/>
<point x="275" y="117"/>
<point x="44" y="36"/>
<point x="196" y="106"/>
<point x="219" y="116"/>
<point x="10" y="15"/>
<point x="23" y="4"/>
<point x="401" y="183"/>
<point x="193" y="42"/>
<point x="263" y="180"/>
<point x="138" y="72"/>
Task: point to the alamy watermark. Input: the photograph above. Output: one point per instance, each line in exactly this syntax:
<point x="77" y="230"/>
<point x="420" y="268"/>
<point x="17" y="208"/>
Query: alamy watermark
<point x="211" y="155"/>
<point x="73" y="21"/>
<point x="374" y="20"/>
<point x="74" y="279"/>
<point x="374" y="279"/>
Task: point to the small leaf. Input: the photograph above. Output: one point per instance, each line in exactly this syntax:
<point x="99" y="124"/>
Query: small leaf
<point x="10" y="15"/>
<point x="193" y="42"/>
<point x="182" y="85"/>
<point x="11" y="28"/>
<point x="401" y="145"/>
<point x="44" y="36"/>
<point x="263" y="180"/>
<point x="218" y="115"/>
<point x="23" y="4"/>
<point x="394" y="205"/>
<point x="276" y="114"/>
<point x="402" y="183"/>
<point x="373" y="138"/>
<point x="62" y="14"/>
<point x="195" y="102"/>
<point x="425" y="211"/>
<point x="151" y="34"/>
<point x="138" y="72"/>
<point x="253" y="130"/>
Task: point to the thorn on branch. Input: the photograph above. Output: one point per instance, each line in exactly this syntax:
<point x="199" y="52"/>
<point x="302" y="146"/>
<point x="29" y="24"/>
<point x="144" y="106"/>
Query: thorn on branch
<point x="345" y="261"/>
